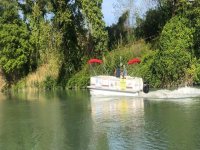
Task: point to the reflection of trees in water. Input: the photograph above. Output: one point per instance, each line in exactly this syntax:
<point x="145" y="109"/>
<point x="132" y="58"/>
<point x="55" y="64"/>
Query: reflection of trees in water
<point x="78" y="121"/>
<point x="2" y="97"/>
<point x="46" y="121"/>
<point x="16" y="127"/>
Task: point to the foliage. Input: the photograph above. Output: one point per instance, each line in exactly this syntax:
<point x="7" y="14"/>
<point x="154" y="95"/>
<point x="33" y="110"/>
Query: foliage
<point x="83" y="33"/>
<point x="110" y="61"/>
<point x="8" y="12"/>
<point x="170" y="67"/>
<point x="36" y="79"/>
<point x="172" y="64"/>
<point x="193" y="14"/>
<point x="73" y="29"/>
<point x="15" y="47"/>
<point x="177" y="35"/>
<point x="96" y="26"/>
<point x="197" y="72"/>
<point x="122" y="55"/>
<point x="155" y="19"/>
<point x="146" y="67"/>
<point x="19" y="85"/>
<point x="80" y="79"/>
<point x="120" y="33"/>
<point x="14" y="57"/>
<point x="50" y="42"/>
<point x="49" y="83"/>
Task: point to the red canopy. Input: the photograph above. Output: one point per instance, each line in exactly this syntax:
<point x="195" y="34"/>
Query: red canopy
<point x="134" y="61"/>
<point x="95" y="61"/>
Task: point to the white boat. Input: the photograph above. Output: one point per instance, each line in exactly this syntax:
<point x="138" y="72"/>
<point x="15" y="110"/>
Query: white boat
<point x="113" y="86"/>
<point x="119" y="85"/>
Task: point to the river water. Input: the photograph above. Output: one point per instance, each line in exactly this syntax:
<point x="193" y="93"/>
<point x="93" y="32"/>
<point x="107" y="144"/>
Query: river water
<point x="73" y="120"/>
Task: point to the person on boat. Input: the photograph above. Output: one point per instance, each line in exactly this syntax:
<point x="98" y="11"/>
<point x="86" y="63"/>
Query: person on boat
<point x="124" y="71"/>
<point x="117" y="72"/>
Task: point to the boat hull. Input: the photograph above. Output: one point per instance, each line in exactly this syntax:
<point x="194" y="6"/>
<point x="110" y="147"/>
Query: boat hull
<point x="109" y="92"/>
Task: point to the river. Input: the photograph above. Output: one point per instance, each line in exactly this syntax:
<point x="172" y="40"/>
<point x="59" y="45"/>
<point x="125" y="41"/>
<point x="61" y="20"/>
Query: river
<point x="73" y="120"/>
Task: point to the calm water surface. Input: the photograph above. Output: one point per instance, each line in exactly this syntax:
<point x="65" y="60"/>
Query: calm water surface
<point x="69" y="120"/>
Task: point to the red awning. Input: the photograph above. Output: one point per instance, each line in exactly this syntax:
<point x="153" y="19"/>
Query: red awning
<point x="134" y="61"/>
<point x="91" y="61"/>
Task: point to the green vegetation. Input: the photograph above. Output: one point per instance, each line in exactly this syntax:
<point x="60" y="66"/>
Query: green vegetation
<point x="46" y="44"/>
<point x="15" y="48"/>
<point x="111" y="61"/>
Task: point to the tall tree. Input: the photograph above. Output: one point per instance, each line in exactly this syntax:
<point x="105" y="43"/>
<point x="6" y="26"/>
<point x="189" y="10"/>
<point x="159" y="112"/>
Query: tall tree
<point x="155" y="19"/>
<point x="67" y="20"/>
<point x="14" y="46"/>
<point x="193" y="14"/>
<point x="74" y="29"/>
<point x="34" y="14"/>
<point x="83" y="30"/>
<point x="120" y="33"/>
<point x="97" y="34"/>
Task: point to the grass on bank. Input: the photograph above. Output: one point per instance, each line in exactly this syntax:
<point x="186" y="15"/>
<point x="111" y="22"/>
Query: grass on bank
<point x="44" y="77"/>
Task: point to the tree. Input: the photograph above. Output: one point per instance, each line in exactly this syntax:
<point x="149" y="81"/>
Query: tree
<point x="83" y="33"/>
<point x="73" y="29"/>
<point x="170" y="67"/>
<point x="120" y="33"/>
<point x="177" y="34"/>
<point x="95" y="25"/>
<point x="193" y="14"/>
<point x="155" y="19"/>
<point x="34" y="15"/>
<point x="15" y="48"/>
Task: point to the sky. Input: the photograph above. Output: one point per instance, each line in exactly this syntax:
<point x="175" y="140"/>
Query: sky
<point x="108" y="12"/>
<point x="110" y="17"/>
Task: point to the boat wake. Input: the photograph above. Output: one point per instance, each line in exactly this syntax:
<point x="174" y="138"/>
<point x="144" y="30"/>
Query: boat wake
<point x="184" y="92"/>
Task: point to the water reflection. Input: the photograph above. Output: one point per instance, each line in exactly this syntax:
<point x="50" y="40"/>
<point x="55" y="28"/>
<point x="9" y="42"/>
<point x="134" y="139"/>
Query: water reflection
<point x="44" y="121"/>
<point x="103" y="107"/>
<point x="72" y="120"/>
<point x="136" y="123"/>
<point x="119" y="120"/>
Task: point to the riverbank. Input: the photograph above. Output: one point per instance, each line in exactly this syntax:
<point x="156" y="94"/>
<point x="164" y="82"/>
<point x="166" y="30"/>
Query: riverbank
<point x="47" y="75"/>
<point x="2" y="81"/>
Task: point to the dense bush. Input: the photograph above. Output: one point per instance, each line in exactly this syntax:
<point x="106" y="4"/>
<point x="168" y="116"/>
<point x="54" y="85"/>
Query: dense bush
<point x="14" y="51"/>
<point x="177" y="35"/>
<point x="171" y="65"/>
<point x="80" y="79"/>
<point x="169" y="68"/>
<point x="49" y="83"/>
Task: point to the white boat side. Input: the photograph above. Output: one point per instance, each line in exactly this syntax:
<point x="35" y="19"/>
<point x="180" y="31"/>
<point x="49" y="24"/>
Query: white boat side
<point x="113" y="86"/>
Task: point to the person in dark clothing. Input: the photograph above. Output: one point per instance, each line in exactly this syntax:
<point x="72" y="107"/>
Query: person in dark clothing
<point x="117" y="72"/>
